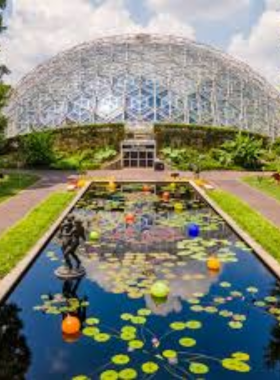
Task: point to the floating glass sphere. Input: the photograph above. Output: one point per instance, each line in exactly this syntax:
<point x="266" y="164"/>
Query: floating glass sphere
<point x="130" y="218"/>
<point x="94" y="235"/>
<point x="213" y="263"/>
<point x="193" y="230"/>
<point x="70" y="325"/>
<point x="160" y="289"/>
<point x="178" y="207"/>
<point x="146" y="189"/>
<point x="166" y="196"/>
<point x="112" y="186"/>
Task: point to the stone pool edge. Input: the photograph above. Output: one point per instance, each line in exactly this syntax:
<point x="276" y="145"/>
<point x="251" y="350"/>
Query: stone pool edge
<point x="9" y="282"/>
<point x="269" y="261"/>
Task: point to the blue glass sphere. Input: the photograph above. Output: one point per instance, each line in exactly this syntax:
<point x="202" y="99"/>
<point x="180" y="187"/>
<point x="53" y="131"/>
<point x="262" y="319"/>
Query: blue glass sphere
<point x="193" y="230"/>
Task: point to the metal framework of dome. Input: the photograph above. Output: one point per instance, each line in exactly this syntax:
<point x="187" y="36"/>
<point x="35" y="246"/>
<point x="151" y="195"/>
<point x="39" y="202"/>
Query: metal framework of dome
<point x="144" y="79"/>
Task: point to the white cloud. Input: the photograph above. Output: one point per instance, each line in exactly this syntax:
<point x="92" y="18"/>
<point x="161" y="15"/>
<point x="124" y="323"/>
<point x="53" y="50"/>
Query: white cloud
<point x="261" y="48"/>
<point x="192" y="9"/>
<point x="39" y="29"/>
<point x="165" y="23"/>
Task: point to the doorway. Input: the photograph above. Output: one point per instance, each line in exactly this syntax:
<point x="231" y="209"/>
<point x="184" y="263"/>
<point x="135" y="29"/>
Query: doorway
<point x="138" y="154"/>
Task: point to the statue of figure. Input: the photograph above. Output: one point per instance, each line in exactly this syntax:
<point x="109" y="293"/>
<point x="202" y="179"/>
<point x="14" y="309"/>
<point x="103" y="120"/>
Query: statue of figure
<point x="71" y="232"/>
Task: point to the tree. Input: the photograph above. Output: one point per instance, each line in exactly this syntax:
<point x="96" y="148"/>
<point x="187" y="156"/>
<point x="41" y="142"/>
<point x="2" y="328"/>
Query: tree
<point x="4" y="89"/>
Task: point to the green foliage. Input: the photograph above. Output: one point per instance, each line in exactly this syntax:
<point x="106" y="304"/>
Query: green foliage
<point x="37" y="149"/>
<point x="202" y="138"/>
<point x="85" y="160"/>
<point x="276" y="146"/>
<point x="264" y="232"/>
<point x="13" y="183"/>
<point x="243" y="151"/>
<point x="16" y="242"/>
<point x="190" y="159"/>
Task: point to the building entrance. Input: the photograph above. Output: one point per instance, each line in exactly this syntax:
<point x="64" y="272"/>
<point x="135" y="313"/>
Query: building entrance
<point x="138" y="153"/>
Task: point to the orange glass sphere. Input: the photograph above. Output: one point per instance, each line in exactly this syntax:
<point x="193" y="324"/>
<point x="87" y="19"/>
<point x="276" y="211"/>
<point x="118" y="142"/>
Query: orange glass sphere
<point x="213" y="263"/>
<point x="166" y="196"/>
<point x="146" y="188"/>
<point x="73" y="338"/>
<point x="70" y="325"/>
<point x="130" y="218"/>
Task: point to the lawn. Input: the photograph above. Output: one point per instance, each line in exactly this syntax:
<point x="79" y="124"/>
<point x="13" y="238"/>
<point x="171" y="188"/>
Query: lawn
<point x="265" y="184"/>
<point x="19" y="239"/>
<point x="14" y="183"/>
<point x="258" y="227"/>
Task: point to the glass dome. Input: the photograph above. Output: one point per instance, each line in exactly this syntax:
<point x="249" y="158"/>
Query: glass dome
<point x="140" y="79"/>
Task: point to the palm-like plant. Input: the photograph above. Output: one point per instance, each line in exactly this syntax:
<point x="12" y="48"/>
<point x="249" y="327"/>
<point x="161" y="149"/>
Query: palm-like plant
<point x="244" y="151"/>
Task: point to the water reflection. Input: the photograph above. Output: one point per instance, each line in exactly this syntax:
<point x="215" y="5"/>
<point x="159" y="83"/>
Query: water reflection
<point x="15" y="355"/>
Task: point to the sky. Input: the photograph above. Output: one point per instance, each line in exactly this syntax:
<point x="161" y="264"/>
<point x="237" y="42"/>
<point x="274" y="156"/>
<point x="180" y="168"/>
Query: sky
<point x="39" y="29"/>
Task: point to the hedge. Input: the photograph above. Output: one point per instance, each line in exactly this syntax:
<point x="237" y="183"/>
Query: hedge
<point x="200" y="137"/>
<point x="75" y="138"/>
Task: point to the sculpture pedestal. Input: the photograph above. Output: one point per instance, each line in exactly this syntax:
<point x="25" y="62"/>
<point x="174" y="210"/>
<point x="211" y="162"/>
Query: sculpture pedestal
<point x="64" y="273"/>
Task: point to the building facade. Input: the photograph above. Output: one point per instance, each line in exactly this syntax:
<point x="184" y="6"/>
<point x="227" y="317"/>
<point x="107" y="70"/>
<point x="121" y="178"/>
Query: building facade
<point x="140" y="79"/>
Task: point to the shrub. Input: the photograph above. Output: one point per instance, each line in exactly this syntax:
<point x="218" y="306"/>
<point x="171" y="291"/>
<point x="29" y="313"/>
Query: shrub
<point x="244" y="151"/>
<point x="37" y="149"/>
<point x="190" y="159"/>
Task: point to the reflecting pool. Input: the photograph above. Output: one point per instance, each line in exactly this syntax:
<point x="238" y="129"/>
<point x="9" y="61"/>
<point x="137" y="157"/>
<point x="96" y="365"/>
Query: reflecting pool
<point x="213" y="324"/>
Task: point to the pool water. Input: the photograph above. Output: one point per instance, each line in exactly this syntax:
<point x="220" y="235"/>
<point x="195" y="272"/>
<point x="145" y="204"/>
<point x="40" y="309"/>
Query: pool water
<point x="213" y="325"/>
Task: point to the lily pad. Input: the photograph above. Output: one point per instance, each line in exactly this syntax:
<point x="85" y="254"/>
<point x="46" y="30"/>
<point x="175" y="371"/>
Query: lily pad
<point x="225" y="284"/>
<point x="126" y="316"/>
<point x="128" y="336"/>
<point x="128" y="374"/>
<point x="129" y="329"/>
<point x="169" y="354"/>
<point x="150" y="368"/>
<point x="235" y="325"/>
<point x="252" y="290"/>
<point x="178" y="326"/>
<point x="80" y="377"/>
<point x="236" y="365"/>
<point x="120" y="359"/>
<point x="197" y="308"/>
<point x="109" y="375"/>
<point x="92" y="321"/>
<point x="144" y="312"/>
<point x="187" y="342"/>
<point x="241" y="356"/>
<point x="271" y="299"/>
<point x="102" y="338"/>
<point x="136" y="344"/>
<point x="90" y="331"/>
<point x="193" y="325"/>
<point x="198" y="368"/>
<point x="138" y="320"/>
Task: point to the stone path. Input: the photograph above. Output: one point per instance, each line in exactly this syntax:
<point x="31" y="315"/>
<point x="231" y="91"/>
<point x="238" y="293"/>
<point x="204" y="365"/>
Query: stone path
<point x="18" y="206"/>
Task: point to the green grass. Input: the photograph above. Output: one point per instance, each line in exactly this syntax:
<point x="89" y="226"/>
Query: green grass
<point x="265" y="184"/>
<point x="19" y="239"/>
<point x="14" y="183"/>
<point x="258" y="227"/>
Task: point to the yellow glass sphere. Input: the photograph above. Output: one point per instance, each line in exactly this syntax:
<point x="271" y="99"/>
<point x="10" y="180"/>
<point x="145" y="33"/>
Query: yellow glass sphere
<point x="160" y="289"/>
<point x="213" y="263"/>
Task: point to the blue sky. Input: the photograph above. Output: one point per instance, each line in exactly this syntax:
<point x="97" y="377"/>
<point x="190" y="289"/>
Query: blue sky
<point x="39" y="29"/>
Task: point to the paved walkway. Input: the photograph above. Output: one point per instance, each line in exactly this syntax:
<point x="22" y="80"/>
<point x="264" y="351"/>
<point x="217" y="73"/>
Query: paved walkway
<point x="15" y="208"/>
<point x="18" y="206"/>
<point x="260" y="202"/>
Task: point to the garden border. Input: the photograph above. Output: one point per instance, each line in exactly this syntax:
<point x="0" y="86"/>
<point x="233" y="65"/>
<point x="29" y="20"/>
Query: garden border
<point x="9" y="282"/>
<point x="269" y="261"/>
